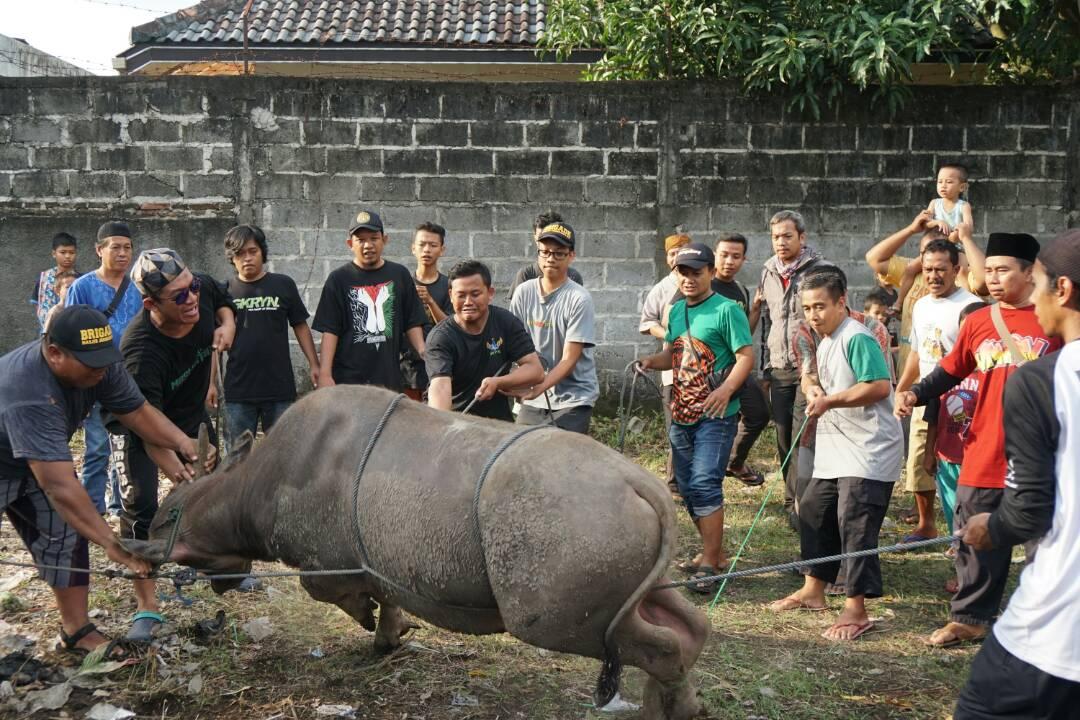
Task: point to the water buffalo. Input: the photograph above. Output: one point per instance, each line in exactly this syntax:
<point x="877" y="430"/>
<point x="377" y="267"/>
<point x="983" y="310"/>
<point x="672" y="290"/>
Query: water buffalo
<point x="560" y="546"/>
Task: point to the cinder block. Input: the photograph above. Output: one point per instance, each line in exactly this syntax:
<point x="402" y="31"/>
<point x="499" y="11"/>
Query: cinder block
<point x="647" y="136"/>
<point x="1044" y="139"/>
<point x="850" y="165"/>
<point x="172" y="158"/>
<point x="96" y="186"/>
<point x="332" y="188"/>
<point x="382" y="189"/>
<point x="580" y="105"/>
<point x="470" y="219"/>
<point x="745" y="219"/>
<point x="501" y="245"/>
<point x="496" y="134"/>
<point x="948" y="139"/>
<point x="496" y="189"/>
<point x="721" y="135"/>
<point x="642" y="164"/>
<point x="846" y="221"/>
<point x="350" y="104"/>
<point x="352" y="160"/>
<point x="909" y="165"/>
<point x="887" y="192"/>
<point x="1026" y="108"/>
<point x="286" y="132"/>
<point x="5" y="184"/>
<point x="775" y="137"/>
<point x="14" y="100"/>
<point x="446" y="134"/>
<point x="395" y="133"/>
<point x="97" y="130"/>
<point x="297" y="159"/>
<point x="567" y="162"/>
<point x="643" y="219"/>
<point x="468" y="103"/>
<point x="617" y="301"/>
<point x="40" y="183"/>
<point x="695" y="164"/>
<point x="619" y="191"/>
<point x="815" y="192"/>
<point x="60" y="158"/>
<point x="1041" y="192"/>
<point x="512" y="103"/>
<point x="209" y="131"/>
<point x="630" y="273"/>
<point x="521" y="162"/>
<point x="609" y="134"/>
<point x="895" y="138"/>
<point x="465" y="162"/>
<point x="410" y="162"/>
<point x="14" y="158"/>
<point x="272" y="186"/>
<point x="600" y="244"/>
<point x="997" y="192"/>
<point x="297" y="214"/>
<point x="154" y="130"/>
<point x="442" y="189"/>
<point x="1055" y="166"/>
<point x="995" y="139"/>
<point x="61" y="101"/>
<point x="329" y="132"/>
<point x="556" y="134"/>
<point x="546" y="190"/>
<point x="152" y="185"/>
<point x="221" y="158"/>
<point x="829" y="137"/>
<point x="35" y="130"/>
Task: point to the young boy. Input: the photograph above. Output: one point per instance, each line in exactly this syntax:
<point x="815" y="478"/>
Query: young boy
<point x="754" y="416"/>
<point x="64" y="279"/>
<point x="429" y="243"/>
<point x="949" y="208"/>
<point x="259" y="382"/>
<point x="859" y="454"/>
<point x="708" y="347"/>
<point x="368" y="309"/>
<point x="45" y="296"/>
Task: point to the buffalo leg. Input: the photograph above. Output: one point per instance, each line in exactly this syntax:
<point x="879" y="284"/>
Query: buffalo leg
<point x="392" y="625"/>
<point x="664" y="638"/>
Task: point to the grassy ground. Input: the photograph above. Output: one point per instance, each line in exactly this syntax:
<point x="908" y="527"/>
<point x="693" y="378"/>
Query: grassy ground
<point x="756" y="665"/>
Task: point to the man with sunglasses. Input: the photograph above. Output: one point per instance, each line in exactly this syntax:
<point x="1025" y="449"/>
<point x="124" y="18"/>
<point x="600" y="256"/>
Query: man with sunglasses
<point x="559" y="315"/>
<point x="167" y="349"/>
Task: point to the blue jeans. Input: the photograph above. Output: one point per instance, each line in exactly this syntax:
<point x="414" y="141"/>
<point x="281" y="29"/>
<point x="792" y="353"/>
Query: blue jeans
<point x="700" y="454"/>
<point x="241" y="416"/>
<point x="96" y="470"/>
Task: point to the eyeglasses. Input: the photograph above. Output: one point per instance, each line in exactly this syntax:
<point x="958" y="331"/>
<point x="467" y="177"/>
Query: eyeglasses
<point x="181" y="297"/>
<point x="557" y="254"/>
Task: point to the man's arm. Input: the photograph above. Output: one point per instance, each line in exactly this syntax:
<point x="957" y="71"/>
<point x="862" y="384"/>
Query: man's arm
<point x="717" y="401"/>
<point x="858" y="395"/>
<point x="570" y="355"/>
<point x="307" y="346"/>
<point x="879" y="255"/>
<point x="976" y="260"/>
<point x="658" y="361"/>
<point x="326" y="359"/>
<point x="528" y="373"/>
<point x="169" y="448"/>
<point x="754" y="313"/>
<point x="60" y="483"/>
<point x="911" y="371"/>
<point x="415" y="336"/>
<point x="226" y="329"/>
<point x="440" y="393"/>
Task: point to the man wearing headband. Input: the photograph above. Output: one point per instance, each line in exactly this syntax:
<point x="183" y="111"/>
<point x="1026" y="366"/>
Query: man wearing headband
<point x="993" y="343"/>
<point x="1029" y="666"/>
<point x="167" y="348"/>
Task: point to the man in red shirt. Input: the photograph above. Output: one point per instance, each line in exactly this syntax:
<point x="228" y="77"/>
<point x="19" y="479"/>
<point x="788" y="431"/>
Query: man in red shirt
<point x="993" y="355"/>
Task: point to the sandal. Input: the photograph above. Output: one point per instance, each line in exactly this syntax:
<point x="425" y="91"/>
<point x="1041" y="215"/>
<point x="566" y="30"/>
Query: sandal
<point x="859" y="629"/>
<point x="793" y="603"/>
<point x="955" y="633"/>
<point x="143" y="626"/>
<point x="703" y="587"/>
<point x="748" y="477"/>
<point x="688" y="566"/>
<point x="70" y="643"/>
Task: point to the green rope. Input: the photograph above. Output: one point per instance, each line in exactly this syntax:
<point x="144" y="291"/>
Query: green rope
<point x="761" y="510"/>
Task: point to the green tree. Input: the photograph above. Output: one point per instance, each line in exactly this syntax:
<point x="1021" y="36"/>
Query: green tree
<point x="818" y="48"/>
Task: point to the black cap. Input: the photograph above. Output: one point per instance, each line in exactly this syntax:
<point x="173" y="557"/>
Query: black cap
<point x="696" y="256"/>
<point x="1061" y="256"/>
<point x="559" y="232"/>
<point x="86" y="334"/>
<point x="367" y="220"/>
<point x="113" y="228"/>
<point x="1018" y="245"/>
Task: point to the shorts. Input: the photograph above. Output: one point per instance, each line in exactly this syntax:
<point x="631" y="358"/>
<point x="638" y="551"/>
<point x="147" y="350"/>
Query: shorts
<point x="917" y="479"/>
<point x="50" y="540"/>
<point x="700" y="455"/>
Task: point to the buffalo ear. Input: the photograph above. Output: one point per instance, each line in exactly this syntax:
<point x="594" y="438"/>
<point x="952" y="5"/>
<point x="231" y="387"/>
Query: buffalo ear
<point x="240" y="450"/>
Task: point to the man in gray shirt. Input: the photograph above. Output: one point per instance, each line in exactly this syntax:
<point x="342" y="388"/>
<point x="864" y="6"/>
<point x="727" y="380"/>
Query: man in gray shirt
<point x="558" y="314"/>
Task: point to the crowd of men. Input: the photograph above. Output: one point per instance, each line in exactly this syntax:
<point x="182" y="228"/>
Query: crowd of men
<point x="133" y="352"/>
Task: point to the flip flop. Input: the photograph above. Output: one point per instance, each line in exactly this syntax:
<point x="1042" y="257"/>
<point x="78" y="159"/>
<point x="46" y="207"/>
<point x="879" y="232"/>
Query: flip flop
<point x="954" y="634"/>
<point x="688" y="566"/>
<point x="748" y="476"/>
<point x="860" y="630"/>
<point x="706" y="587"/>
<point x="143" y="626"/>
<point x="792" y="603"/>
<point x="913" y="537"/>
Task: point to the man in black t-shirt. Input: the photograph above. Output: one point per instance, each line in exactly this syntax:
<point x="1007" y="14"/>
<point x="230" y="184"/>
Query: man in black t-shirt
<point x="532" y="270"/>
<point x="429" y="243"/>
<point x="368" y="308"/>
<point x="47" y="388"/>
<point x="754" y="409"/>
<point x="259" y="382"/>
<point x="167" y="349"/>
<point x="470" y="353"/>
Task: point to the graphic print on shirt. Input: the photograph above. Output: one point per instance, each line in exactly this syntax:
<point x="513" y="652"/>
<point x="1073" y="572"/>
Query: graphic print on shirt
<point x="692" y="369"/>
<point x="932" y="347"/>
<point x="258" y="303"/>
<point x="992" y="353"/>
<point x="372" y="312"/>
<point x="960" y="406"/>
<point x="494" y="346"/>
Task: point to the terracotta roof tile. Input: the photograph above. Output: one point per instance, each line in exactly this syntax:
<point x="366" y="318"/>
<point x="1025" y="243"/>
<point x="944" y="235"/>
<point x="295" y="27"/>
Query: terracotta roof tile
<point x="449" y="22"/>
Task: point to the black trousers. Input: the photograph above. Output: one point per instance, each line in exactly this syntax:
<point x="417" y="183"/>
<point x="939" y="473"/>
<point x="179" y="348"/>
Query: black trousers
<point x="843" y="515"/>
<point x="1002" y="686"/>
<point x="753" y="418"/>
<point x="981" y="574"/>
<point x="788" y="411"/>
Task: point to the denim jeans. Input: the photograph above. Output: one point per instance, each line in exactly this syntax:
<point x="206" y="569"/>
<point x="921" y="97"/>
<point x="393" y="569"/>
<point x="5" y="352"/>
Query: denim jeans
<point x="700" y="454"/>
<point x="96" y="470"/>
<point x="242" y="416"/>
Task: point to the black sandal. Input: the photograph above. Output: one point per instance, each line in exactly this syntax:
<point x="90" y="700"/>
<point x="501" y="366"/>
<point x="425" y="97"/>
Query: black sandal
<point x="704" y="587"/>
<point x="70" y="643"/>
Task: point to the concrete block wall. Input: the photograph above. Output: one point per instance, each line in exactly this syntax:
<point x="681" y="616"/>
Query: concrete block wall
<point x="185" y="158"/>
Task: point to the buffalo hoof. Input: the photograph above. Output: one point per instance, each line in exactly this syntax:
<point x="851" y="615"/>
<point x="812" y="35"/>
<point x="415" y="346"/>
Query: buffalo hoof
<point x="389" y="642"/>
<point x="677" y="701"/>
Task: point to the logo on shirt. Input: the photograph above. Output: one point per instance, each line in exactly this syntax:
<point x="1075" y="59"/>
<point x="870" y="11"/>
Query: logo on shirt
<point x="992" y="352"/>
<point x="494" y="346"/>
<point x="261" y="302"/>
<point x="372" y="309"/>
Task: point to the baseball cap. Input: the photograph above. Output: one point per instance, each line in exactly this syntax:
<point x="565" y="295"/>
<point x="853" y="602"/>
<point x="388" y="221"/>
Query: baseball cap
<point x="85" y="333"/>
<point x="696" y="256"/>
<point x="1061" y="256"/>
<point x="367" y="220"/>
<point x="560" y="232"/>
<point x="154" y="269"/>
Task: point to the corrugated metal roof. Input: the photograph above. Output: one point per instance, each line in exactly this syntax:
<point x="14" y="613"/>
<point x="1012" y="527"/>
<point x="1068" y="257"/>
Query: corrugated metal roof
<point x="450" y="22"/>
